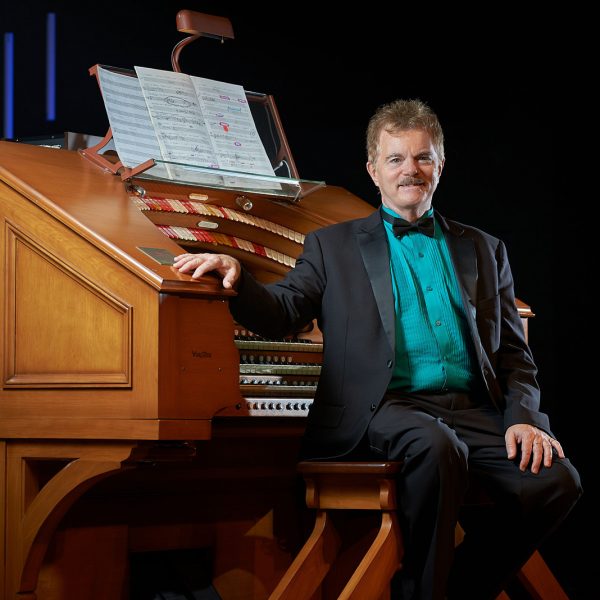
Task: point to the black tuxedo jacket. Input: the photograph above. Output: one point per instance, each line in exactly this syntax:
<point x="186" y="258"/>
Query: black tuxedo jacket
<point x="343" y="279"/>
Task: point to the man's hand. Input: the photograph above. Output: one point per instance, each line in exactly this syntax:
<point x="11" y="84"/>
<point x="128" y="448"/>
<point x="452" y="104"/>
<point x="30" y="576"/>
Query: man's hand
<point x="226" y="266"/>
<point x="536" y="445"/>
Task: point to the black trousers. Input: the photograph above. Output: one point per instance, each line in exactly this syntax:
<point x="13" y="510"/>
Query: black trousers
<point x="448" y="441"/>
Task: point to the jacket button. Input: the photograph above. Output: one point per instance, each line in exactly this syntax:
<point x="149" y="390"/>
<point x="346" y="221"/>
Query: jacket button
<point x="389" y="364"/>
<point x="373" y="407"/>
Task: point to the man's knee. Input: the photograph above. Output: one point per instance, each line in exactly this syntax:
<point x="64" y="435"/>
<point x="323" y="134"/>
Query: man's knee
<point x="439" y="446"/>
<point x="558" y="489"/>
<point x="423" y="442"/>
<point x="447" y="447"/>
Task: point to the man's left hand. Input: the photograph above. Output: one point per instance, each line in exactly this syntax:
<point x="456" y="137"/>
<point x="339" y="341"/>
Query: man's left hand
<point x="536" y="446"/>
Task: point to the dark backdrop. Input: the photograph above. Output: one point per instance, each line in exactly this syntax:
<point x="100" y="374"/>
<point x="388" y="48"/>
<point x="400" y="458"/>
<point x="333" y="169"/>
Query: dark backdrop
<point x="503" y="86"/>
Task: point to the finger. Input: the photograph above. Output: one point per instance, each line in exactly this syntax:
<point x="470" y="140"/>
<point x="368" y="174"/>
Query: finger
<point x="538" y="454"/>
<point x="547" y="453"/>
<point x="183" y="259"/>
<point x="526" y="450"/>
<point x="559" y="449"/>
<point x="511" y="445"/>
<point x="184" y="264"/>
<point x="208" y="264"/>
<point x="189" y="264"/>
<point x="230" y="278"/>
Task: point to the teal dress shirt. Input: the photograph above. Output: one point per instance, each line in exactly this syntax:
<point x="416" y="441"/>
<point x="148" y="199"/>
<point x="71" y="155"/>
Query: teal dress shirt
<point x="433" y="347"/>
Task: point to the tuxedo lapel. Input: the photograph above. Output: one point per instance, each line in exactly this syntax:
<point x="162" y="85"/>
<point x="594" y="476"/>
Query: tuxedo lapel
<point x="375" y="254"/>
<point x="464" y="259"/>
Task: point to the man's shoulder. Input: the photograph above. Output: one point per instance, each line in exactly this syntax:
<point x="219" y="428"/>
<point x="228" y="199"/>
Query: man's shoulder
<point x="459" y="228"/>
<point x="345" y="228"/>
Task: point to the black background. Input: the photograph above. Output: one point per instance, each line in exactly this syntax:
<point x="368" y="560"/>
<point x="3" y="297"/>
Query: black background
<point x="513" y="110"/>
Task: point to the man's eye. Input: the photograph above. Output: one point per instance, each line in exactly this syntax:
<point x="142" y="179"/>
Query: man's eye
<point x="425" y="159"/>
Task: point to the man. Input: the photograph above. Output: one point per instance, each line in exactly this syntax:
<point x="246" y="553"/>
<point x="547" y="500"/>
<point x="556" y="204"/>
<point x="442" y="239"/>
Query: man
<point x="424" y="361"/>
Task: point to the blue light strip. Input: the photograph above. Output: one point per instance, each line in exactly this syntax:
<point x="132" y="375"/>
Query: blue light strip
<point x="9" y="87"/>
<point x="50" y="66"/>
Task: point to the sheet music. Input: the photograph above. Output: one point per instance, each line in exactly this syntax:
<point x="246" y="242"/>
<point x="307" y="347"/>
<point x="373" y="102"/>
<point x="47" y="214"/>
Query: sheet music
<point x="177" y="118"/>
<point x="204" y="122"/>
<point x="187" y="120"/>
<point x="133" y="133"/>
<point x="230" y="124"/>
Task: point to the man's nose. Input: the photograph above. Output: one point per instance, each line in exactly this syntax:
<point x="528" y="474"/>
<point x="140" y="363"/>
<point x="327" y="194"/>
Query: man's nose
<point x="410" y="166"/>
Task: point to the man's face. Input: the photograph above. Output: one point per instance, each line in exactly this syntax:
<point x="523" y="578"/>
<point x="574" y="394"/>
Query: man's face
<point x="407" y="171"/>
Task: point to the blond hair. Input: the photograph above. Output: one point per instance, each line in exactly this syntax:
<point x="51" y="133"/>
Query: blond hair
<point x="402" y="115"/>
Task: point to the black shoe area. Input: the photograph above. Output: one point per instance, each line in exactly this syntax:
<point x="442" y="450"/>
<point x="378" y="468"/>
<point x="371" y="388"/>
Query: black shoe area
<point x="172" y="575"/>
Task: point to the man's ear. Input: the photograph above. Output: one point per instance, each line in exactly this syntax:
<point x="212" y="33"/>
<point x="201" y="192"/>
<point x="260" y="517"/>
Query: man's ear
<point x="441" y="167"/>
<point x="372" y="172"/>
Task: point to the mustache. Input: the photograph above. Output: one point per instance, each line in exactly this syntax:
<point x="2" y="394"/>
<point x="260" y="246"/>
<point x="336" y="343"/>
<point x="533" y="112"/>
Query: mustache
<point x="411" y="181"/>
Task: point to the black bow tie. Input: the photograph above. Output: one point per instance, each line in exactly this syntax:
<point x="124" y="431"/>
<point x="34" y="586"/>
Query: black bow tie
<point x="425" y="225"/>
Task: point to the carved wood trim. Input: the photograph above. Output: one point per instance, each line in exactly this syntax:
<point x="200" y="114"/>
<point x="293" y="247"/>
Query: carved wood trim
<point x="35" y="510"/>
<point x="102" y="357"/>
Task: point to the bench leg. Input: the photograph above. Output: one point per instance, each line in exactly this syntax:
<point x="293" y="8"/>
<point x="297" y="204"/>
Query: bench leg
<point x="382" y="560"/>
<point x="538" y="580"/>
<point x="312" y="563"/>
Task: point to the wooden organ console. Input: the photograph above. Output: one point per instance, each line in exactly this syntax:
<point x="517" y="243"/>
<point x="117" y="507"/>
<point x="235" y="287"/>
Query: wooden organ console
<point x="135" y="415"/>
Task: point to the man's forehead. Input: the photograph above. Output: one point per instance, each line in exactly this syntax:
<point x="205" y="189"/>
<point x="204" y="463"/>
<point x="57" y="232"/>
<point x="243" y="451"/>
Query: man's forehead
<point x="416" y="133"/>
<point x="418" y="140"/>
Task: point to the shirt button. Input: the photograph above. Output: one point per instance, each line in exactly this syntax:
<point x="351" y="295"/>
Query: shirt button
<point x="421" y="255"/>
<point x="389" y="364"/>
<point x="429" y="288"/>
<point x="438" y="323"/>
<point x="373" y="407"/>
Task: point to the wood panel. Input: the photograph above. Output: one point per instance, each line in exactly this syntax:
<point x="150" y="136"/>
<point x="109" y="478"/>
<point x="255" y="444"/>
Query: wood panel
<point x="76" y="318"/>
<point x="234" y="496"/>
<point x="199" y="364"/>
<point x="98" y="559"/>
<point x="36" y="501"/>
<point x="61" y="329"/>
<point x="68" y="262"/>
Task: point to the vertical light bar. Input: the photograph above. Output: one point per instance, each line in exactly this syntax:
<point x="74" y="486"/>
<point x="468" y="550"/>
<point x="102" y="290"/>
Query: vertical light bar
<point x="50" y="66"/>
<point x="9" y="85"/>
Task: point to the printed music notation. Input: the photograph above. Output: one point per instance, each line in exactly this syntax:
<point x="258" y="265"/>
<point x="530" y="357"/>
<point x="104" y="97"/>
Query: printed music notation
<point x="186" y="120"/>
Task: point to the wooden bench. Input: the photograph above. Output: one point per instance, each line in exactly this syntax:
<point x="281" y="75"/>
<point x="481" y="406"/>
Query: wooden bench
<point x="334" y="486"/>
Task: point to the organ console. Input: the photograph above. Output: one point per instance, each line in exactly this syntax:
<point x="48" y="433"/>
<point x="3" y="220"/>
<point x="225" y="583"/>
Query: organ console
<point x="135" y="415"/>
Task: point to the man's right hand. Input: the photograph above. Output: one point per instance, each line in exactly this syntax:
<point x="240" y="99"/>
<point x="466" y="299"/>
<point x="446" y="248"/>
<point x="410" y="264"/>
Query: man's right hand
<point x="226" y="266"/>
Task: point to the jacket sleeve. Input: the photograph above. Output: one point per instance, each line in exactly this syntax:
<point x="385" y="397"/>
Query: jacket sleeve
<point x="282" y="308"/>
<point x="515" y="368"/>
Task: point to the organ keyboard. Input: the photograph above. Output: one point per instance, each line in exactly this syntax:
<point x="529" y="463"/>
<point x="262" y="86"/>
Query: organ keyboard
<point x="278" y="377"/>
